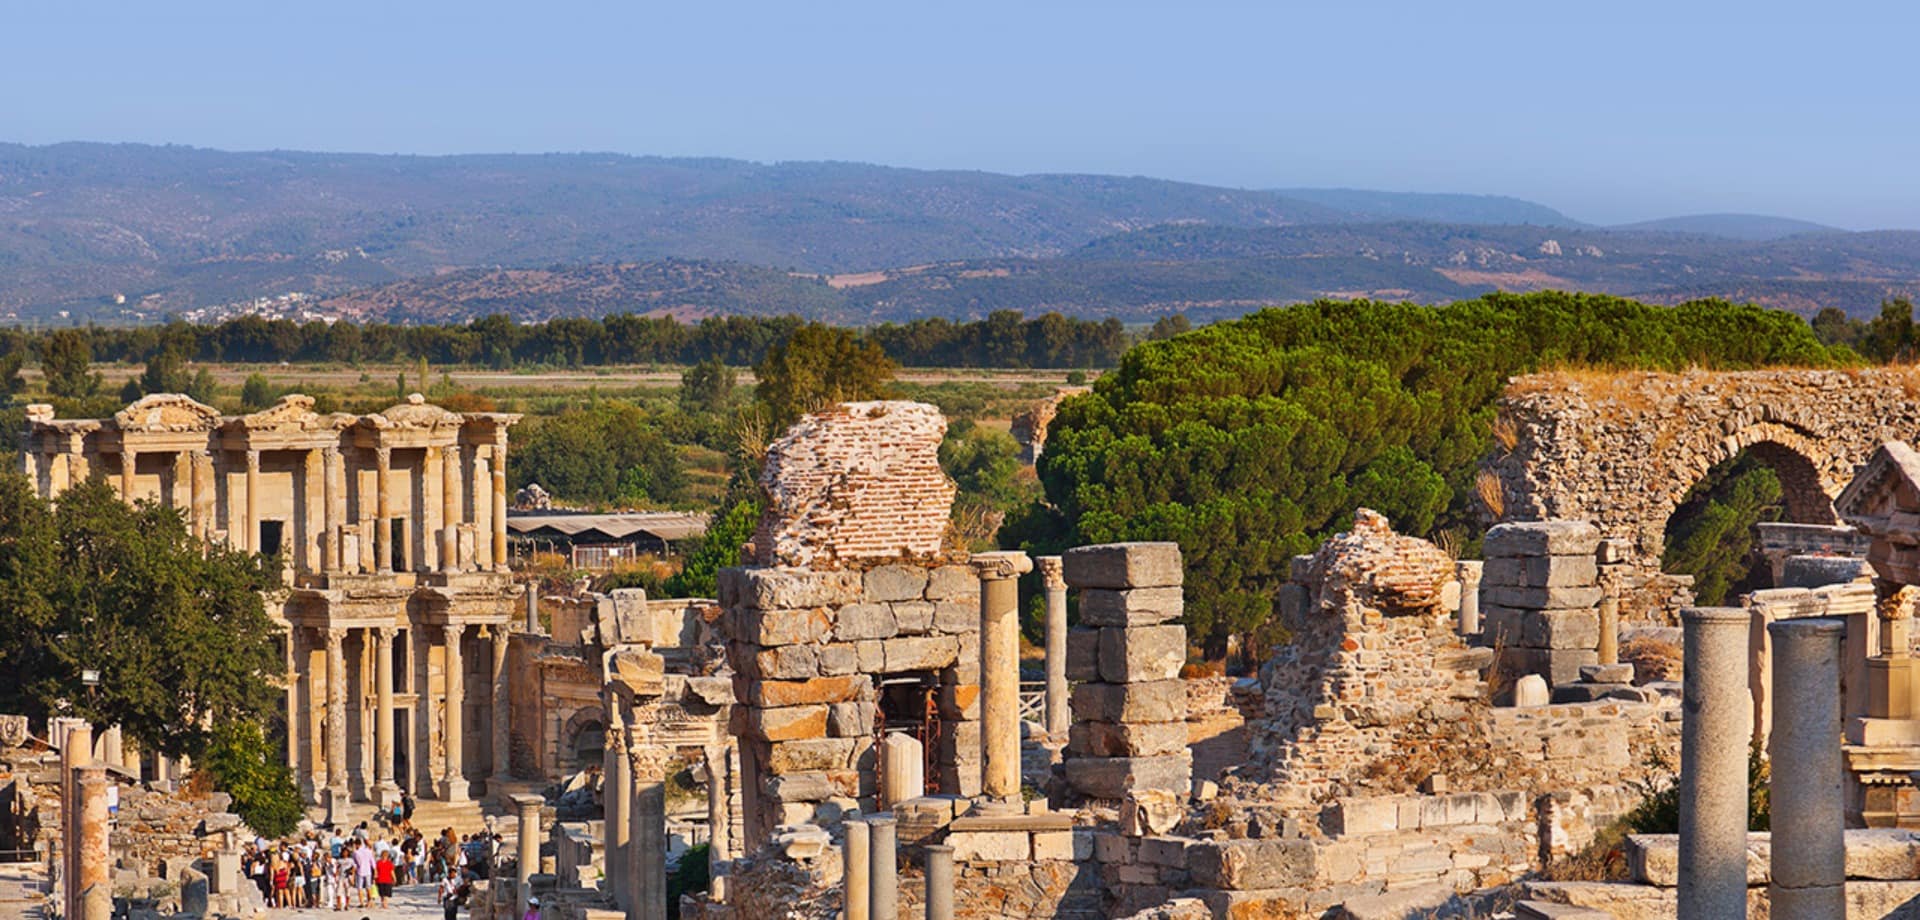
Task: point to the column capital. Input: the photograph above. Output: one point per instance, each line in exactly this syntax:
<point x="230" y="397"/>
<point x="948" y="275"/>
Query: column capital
<point x="996" y="566"/>
<point x="1051" y="572"/>
<point x="331" y="452"/>
<point x="335" y="635"/>
<point x="386" y="633"/>
<point x="384" y="455"/>
<point x="253" y="460"/>
<point x="453" y="631"/>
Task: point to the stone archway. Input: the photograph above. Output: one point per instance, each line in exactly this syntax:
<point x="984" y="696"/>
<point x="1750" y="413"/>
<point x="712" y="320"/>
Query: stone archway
<point x="1622" y="449"/>
<point x="583" y="739"/>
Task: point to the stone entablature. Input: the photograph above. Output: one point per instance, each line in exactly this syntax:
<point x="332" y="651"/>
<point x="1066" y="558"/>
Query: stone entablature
<point x="1621" y="450"/>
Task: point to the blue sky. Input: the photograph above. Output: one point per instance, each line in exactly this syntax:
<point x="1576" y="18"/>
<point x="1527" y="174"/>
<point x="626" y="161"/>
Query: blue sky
<point x="1610" y="111"/>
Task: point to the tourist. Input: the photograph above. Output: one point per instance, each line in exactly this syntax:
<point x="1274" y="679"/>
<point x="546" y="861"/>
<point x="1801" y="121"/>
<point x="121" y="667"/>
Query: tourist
<point x="363" y="872"/>
<point x="533" y="909"/>
<point x="281" y="876"/>
<point x="453" y="895"/>
<point x="296" y="879"/>
<point x="329" y="883"/>
<point x="406" y="806"/>
<point x="342" y="880"/>
<point x="383" y="877"/>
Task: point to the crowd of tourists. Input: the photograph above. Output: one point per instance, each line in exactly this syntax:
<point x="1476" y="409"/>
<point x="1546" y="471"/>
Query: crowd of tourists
<point x="329" y="869"/>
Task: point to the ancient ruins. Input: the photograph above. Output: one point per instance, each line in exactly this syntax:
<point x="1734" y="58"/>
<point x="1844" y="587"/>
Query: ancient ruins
<point x="844" y="731"/>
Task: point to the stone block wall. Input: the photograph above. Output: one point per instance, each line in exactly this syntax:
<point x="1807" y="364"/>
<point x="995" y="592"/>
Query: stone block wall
<point x="809" y="650"/>
<point x="1540" y="595"/>
<point x="1129" y="706"/>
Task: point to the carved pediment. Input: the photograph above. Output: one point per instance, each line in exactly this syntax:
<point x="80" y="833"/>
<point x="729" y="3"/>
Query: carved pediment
<point x="167" y="412"/>
<point x="417" y="413"/>
<point x="1888" y="484"/>
<point x="293" y="413"/>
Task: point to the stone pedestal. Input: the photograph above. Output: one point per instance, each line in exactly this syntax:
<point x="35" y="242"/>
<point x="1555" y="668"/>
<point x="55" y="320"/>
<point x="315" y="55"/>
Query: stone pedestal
<point x="1891" y="684"/>
<point x="1808" y="865"/>
<point x="1716" y="728"/>
<point x="1468" y="571"/>
<point x="1000" y="675"/>
<point x="1609" y="630"/>
<point x="903" y="768"/>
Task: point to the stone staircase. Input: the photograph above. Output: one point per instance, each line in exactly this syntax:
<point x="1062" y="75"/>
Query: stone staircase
<point x="23" y="890"/>
<point x="432" y="815"/>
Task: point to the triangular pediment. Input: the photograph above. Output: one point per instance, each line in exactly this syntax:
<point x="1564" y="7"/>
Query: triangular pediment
<point x="416" y="412"/>
<point x="1888" y="482"/>
<point x="167" y="412"/>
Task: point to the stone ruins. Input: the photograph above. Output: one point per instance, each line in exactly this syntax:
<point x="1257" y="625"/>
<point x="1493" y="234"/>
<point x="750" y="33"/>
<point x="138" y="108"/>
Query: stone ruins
<point x="844" y="730"/>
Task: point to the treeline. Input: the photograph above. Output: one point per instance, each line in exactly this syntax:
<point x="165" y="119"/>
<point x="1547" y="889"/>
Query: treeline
<point x="1004" y="339"/>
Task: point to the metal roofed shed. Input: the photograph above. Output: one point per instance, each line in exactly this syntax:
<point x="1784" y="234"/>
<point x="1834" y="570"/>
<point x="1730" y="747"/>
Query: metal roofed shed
<point x="595" y="541"/>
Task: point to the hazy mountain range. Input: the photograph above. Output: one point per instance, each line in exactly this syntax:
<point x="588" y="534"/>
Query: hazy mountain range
<point x="84" y="227"/>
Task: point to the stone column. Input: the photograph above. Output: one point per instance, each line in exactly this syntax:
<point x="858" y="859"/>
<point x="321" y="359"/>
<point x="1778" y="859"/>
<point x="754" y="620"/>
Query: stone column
<point x="336" y="720"/>
<point x="883" y="898"/>
<point x="502" y="707"/>
<point x="386" y="791"/>
<point x="76" y="751"/>
<point x="858" y="866"/>
<point x="999" y="676"/>
<point x="1468" y="572"/>
<point x="1610" y="630"/>
<point x="180" y="490"/>
<point x="127" y="462"/>
<point x="528" y="807"/>
<point x="428" y="714"/>
<point x="903" y="769"/>
<point x="647" y="842"/>
<point x="91" y="859"/>
<point x="719" y="823"/>
<point x="383" y="513"/>
<point x="112" y="748"/>
<point x="939" y="882"/>
<point x="204" y="492"/>
<point x="1807" y="791"/>
<point x="450" y="507"/>
<point x="313" y="511"/>
<point x="482" y="507"/>
<point x="616" y="801"/>
<point x="1715" y="728"/>
<point x="1058" y="715"/>
<point x="336" y="513"/>
<point x="453" y="785"/>
<point x="500" y="503"/>
<point x="533" y="607"/>
<point x="292" y="689"/>
<point x="252" y="542"/>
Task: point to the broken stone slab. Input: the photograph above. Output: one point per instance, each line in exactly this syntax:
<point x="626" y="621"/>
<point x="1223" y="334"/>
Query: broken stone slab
<point x="1123" y="565"/>
<point x="1540" y="571"/>
<point x="1149" y="701"/>
<point x="1586" y="692"/>
<point x="1541" y="538"/>
<point x="1547" y="910"/>
<point x="1142" y="653"/>
<point x="1878" y="854"/>
<point x="1115" y="777"/>
<point x="1151" y="812"/>
<point x="1535" y="598"/>
<point x="1607" y="673"/>
<point x="1247" y="865"/>
<point x="1396" y="904"/>
<point x="1131" y="607"/>
<point x="802" y="842"/>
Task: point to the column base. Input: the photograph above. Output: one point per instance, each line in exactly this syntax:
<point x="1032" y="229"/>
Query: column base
<point x="985" y="807"/>
<point x="339" y="806"/>
<point x="453" y="789"/>
<point x="386" y="793"/>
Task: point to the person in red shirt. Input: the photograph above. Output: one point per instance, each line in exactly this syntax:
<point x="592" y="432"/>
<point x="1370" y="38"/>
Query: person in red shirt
<point x="383" y="876"/>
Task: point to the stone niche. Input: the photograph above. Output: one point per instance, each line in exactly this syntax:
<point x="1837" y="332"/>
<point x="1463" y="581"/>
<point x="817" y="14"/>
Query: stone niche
<point x="855" y="484"/>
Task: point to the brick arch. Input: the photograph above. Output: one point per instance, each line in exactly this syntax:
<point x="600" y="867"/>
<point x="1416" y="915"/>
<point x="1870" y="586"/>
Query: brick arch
<point x="1622" y="449"/>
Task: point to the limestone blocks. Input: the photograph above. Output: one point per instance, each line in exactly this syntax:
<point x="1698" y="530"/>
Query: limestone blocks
<point x="1130" y="707"/>
<point x="1540" y="596"/>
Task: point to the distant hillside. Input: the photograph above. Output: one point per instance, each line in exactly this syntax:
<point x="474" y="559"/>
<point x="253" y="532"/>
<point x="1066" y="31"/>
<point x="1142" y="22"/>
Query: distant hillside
<point x="1433" y="208"/>
<point x="1732" y="226"/>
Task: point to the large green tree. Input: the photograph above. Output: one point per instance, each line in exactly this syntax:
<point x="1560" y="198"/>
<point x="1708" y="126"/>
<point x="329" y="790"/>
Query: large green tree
<point x="1250" y="441"/>
<point x="66" y="359"/>
<point x="815" y="367"/>
<point x="611" y="452"/>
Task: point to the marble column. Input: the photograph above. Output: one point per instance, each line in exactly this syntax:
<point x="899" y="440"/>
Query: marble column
<point x="1609" y="630"/>
<point x="313" y="510"/>
<point x="113" y="748"/>
<point x="482" y="511"/>
<point x="200" y="499"/>
<point x="1715" y="729"/>
<point x="426" y="515"/>
<point x="1058" y="716"/>
<point x="293" y="698"/>
<point x="502" y="713"/>
<point x="91" y="859"/>
<point x="647" y="841"/>
<point x="127" y="463"/>
<point x="528" y="808"/>
<point x="180" y="485"/>
<point x="1000" y="677"/>
<point x="533" y="607"/>
<point x="336" y="511"/>
<point x="719" y="822"/>
<point x="386" y="790"/>
<point x="1468" y="571"/>
<point x="858" y="870"/>
<point x="427" y="713"/>
<point x="883" y="873"/>
<point x="252" y="542"/>
<point x="616" y="800"/>
<point x="453" y="785"/>
<point x="450" y="508"/>
<point x="1807" y="789"/>
<point x="76" y="751"/>
<point x="903" y="766"/>
<point x="336" y="719"/>
<point x="500" y="503"/>
<point x="383" y="513"/>
<point x="939" y="882"/>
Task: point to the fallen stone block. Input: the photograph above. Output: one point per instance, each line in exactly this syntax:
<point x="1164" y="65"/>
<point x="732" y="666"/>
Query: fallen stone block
<point x="1607" y="673"/>
<point x="1150" y="812"/>
<point x="1114" y="777"/>
<point x="1123" y="565"/>
<point x="1250" y="865"/>
<point x="1397" y="904"/>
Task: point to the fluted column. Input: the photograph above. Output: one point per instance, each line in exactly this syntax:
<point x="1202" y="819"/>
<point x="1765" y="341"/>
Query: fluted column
<point x="450" y="508"/>
<point x="1058" y="718"/>
<point x="500" y="503"/>
<point x="454" y="782"/>
<point x="382" y="526"/>
<point x="200" y="492"/>
<point x="253" y="502"/>
<point x="502" y="702"/>
<point x="336" y="714"/>
<point x="482" y="508"/>
<point x="313" y="509"/>
<point x="336" y="510"/>
<point x="616" y="799"/>
<point x="386" y="790"/>
<point x="999" y="677"/>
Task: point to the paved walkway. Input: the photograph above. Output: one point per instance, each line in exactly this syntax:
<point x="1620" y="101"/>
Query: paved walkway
<point x="408" y="902"/>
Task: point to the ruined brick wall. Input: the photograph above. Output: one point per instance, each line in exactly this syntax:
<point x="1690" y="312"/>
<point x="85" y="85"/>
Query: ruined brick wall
<point x="858" y="482"/>
<point x="1621" y="450"/>
<point x="1044" y="889"/>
